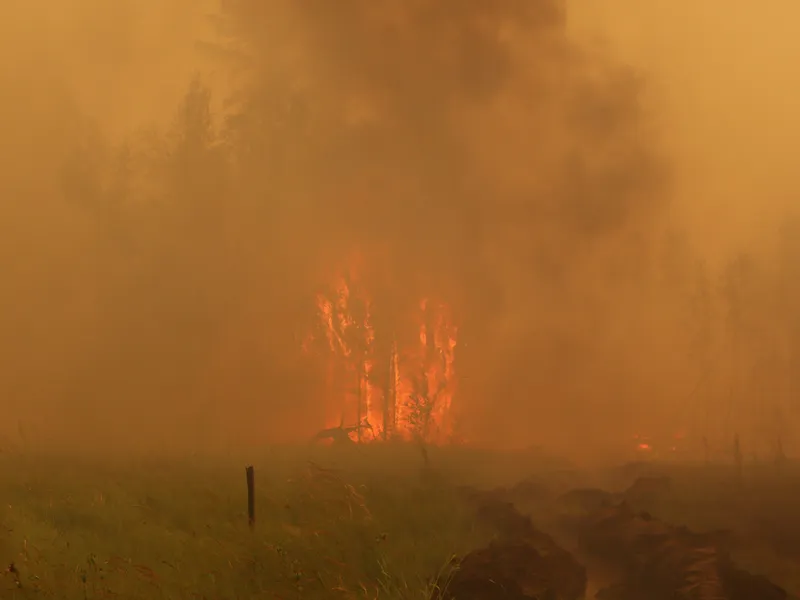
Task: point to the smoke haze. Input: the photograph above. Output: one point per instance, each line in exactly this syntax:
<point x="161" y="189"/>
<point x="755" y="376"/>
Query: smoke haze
<point x="602" y="192"/>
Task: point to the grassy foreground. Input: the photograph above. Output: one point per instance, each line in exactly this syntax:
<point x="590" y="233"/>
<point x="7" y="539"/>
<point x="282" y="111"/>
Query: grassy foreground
<point x="352" y="523"/>
<point x="345" y="523"/>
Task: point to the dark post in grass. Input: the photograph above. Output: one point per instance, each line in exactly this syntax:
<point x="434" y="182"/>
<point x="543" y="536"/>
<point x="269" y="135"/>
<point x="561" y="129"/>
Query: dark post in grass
<point x="737" y="457"/>
<point x="251" y="496"/>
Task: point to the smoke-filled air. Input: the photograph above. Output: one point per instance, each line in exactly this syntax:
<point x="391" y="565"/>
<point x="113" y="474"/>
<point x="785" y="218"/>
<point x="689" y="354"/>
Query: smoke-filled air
<point x="399" y="299"/>
<point x="501" y="224"/>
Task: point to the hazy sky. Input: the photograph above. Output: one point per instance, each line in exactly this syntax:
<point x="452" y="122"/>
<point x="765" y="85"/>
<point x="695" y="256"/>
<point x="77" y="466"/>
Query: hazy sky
<point x="720" y="75"/>
<point x="724" y="88"/>
<point x="721" y="91"/>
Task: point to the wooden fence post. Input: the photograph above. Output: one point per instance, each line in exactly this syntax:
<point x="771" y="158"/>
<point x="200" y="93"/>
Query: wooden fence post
<point x="251" y="496"/>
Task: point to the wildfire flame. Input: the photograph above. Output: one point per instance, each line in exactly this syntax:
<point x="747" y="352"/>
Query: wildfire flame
<point x="395" y="389"/>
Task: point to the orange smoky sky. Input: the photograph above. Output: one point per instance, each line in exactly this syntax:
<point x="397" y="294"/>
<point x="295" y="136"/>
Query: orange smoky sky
<point x="180" y="182"/>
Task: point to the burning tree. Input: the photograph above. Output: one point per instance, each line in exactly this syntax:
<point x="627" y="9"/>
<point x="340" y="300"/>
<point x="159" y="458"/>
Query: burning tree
<point x="428" y="406"/>
<point x="345" y="320"/>
<point x="405" y="384"/>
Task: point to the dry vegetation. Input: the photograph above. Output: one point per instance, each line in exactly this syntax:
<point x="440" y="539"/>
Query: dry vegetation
<point x="365" y="523"/>
<point x="157" y="530"/>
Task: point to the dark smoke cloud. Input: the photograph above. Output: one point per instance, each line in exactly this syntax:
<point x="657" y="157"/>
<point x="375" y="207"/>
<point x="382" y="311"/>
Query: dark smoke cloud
<point x="476" y="118"/>
<point x="466" y="150"/>
<point x="492" y="160"/>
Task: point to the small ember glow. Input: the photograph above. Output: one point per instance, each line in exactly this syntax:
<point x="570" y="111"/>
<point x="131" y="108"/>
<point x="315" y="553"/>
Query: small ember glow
<point x="391" y="388"/>
<point x="671" y="444"/>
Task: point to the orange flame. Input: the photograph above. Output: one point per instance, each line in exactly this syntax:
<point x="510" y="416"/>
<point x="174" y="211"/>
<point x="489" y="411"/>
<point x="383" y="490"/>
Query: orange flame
<point x="395" y="391"/>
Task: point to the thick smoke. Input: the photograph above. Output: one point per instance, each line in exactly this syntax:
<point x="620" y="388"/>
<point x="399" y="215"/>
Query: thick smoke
<point x="470" y="149"/>
<point x="495" y="163"/>
<point x="164" y="237"/>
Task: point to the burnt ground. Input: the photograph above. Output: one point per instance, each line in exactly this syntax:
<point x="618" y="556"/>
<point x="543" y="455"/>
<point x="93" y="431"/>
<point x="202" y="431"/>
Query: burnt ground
<point x="672" y="532"/>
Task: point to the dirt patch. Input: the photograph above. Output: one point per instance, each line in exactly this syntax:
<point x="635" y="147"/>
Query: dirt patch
<point x="523" y="563"/>
<point x="659" y="561"/>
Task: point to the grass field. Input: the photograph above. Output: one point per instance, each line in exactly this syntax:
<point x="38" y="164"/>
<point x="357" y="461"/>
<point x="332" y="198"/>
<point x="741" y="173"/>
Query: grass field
<point x="346" y="522"/>
<point x="350" y="523"/>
